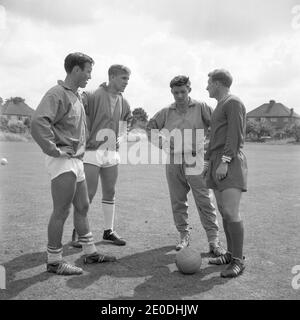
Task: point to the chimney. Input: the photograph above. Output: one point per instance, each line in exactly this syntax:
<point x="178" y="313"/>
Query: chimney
<point x="271" y="104"/>
<point x="292" y="112"/>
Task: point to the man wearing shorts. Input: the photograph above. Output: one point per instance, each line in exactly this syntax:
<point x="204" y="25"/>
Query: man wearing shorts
<point x="226" y="167"/>
<point x="187" y="114"/>
<point x="59" y="128"/>
<point x="105" y="108"/>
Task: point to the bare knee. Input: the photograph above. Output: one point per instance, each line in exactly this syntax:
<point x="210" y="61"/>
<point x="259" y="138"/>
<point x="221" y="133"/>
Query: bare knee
<point x="61" y="212"/>
<point x="109" y="194"/>
<point x="231" y="214"/>
<point x="82" y="209"/>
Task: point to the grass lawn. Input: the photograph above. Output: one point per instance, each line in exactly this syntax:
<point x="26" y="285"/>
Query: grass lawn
<point x="146" y="268"/>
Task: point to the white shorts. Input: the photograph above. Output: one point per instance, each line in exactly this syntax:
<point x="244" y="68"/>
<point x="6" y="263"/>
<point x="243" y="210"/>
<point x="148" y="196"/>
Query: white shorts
<point x="102" y="158"/>
<point x="57" y="166"/>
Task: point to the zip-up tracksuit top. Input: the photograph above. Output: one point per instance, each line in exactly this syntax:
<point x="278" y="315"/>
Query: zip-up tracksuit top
<point x="197" y="116"/>
<point x="99" y="115"/>
<point x="59" y="122"/>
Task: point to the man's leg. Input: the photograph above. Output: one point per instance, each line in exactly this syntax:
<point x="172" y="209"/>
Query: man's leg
<point x="63" y="189"/>
<point x="207" y="212"/>
<point x="92" y="177"/>
<point x="81" y="206"/>
<point x="226" y="258"/>
<point x="178" y="189"/>
<point x="230" y="199"/>
<point x="225" y="221"/>
<point x="92" y="173"/>
<point x="109" y="176"/>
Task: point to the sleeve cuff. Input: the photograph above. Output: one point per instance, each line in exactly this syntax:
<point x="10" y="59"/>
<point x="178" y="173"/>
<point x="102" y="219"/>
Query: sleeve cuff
<point x="226" y="159"/>
<point x="205" y="165"/>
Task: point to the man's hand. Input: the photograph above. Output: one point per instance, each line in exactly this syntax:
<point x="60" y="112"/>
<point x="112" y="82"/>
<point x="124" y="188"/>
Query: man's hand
<point x="221" y="171"/>
<point x="165" y="144"/>
<point x="66" y="153"/>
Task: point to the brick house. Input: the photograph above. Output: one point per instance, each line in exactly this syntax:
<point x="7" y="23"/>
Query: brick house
<point x="277" y="114"/>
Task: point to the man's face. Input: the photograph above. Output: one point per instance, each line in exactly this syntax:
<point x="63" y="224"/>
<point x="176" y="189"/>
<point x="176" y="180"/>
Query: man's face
<point x="119" y="81"/>
<point x="83" y="76"/>
<point x="212" y="87"/>
<point x="181" y="94"/>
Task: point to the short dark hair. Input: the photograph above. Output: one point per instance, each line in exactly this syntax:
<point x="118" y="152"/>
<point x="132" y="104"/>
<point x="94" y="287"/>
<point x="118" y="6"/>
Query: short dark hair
<point x="77" y="59"/>
<point x="221" y="75"/>
<point x="179" y="81"/>
<point x="116" y="69"/>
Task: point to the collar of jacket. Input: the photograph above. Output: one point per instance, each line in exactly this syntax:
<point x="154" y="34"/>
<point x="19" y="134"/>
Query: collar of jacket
<point x="192" y="103"/>
<point x="105" y="87"/>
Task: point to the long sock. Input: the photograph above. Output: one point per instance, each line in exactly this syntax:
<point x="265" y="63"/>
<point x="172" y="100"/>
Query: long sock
<point x="87" y="243"/>
<point x="236" y="231"/>
<point x="227" y="234"/>
<point x="54" y="254"/>
<point x="109" y="214"/>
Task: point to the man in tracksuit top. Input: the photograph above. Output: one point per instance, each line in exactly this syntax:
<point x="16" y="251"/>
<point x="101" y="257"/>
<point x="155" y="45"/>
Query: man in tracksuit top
<point x="59" y="128"/>
<point x="105" y="108"/>
<point x="186" y="113"/>
<point x="226" y="167"/>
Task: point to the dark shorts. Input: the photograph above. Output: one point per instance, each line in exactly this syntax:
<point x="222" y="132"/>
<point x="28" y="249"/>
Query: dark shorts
<point x="236" y="174"/>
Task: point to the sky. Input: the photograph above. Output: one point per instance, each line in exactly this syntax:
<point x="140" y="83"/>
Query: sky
<point x="258" y="41"/>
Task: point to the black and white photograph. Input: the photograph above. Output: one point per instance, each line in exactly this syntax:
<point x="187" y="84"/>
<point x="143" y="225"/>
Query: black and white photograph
<point x="149" y="150"/>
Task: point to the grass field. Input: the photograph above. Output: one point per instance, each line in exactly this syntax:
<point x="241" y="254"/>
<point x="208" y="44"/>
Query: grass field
<point x="146" y="268"/>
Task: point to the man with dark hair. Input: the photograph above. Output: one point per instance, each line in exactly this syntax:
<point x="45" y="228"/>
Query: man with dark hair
<point x="183" y="173"/>
<point x="105" y="108"/>
<point x="77" y="59"/>
<point x="226" y="167"/>
<point x="59" y="128"/>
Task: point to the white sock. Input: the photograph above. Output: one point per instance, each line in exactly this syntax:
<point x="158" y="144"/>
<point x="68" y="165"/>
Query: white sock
<point x="109" y="214"/>
<point x="87" y="242"/>
<point x="54" y="254"/>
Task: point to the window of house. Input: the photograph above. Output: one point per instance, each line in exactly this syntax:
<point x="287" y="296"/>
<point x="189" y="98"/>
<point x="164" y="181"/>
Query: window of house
<point x="285" y="119"/>
<point x="273" y="119"/>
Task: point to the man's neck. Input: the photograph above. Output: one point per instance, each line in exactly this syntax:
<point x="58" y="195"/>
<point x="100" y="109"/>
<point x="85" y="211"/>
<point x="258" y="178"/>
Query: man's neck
<point x="183" y="106"/>
<point x="222" y="95"/>
<point x="112" y="90"/>
<point x="71" y="84"/>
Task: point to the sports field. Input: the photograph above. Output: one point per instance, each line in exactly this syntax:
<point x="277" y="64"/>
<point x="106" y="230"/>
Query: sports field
<point x="146" y="268"/>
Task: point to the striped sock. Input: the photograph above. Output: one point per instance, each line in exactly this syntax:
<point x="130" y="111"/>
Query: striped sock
<point x="87" y="243"/>
<point x="108" y="207"/>
<point x="54" y="254"/>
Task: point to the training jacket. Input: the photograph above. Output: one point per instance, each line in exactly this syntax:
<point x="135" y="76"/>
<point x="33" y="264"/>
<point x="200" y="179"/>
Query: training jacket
<point x="99" y="115"/>
<point x="196" y="117"/>
<point x="59" y="122"/>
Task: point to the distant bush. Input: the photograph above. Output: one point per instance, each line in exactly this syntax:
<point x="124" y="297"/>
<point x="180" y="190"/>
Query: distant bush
<point x="17" y="126"/>
<point x="27" y="123"/>
<point x="3" y="124"/>
<point x="293" y="131"/>
<point x="255" y="130"/>
<point x="8" y="136"/>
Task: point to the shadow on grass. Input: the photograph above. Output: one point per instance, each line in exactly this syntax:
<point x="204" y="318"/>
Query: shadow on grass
<point x="26" y="262"/>
<point x="155" y="266"/>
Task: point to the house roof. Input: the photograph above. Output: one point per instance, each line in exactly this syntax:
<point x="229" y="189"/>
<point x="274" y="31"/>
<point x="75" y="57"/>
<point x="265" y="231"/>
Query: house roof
<point x="272" y="109"/>
<point x="18" y="109"/>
